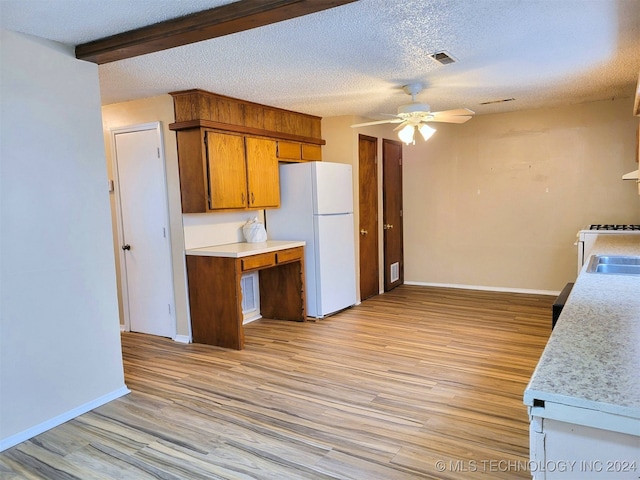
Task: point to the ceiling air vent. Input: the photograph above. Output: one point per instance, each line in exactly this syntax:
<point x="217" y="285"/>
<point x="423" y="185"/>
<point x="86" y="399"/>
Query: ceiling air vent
<point x="442" y="57"/>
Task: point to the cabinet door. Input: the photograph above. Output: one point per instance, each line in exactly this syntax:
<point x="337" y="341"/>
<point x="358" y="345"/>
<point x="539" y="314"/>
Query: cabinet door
<point x="288" y="150"/>
<point x="262" y="173"/>
<point x="311" y="152"/>
<point x="226" y="171"/>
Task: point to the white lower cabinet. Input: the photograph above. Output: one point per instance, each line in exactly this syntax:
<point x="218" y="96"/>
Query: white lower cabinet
<point x="562" y="450"/>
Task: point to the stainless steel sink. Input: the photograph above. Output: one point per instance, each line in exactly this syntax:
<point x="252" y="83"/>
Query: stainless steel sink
<point x="614" y="265"/>
<point x="618" y="260"/>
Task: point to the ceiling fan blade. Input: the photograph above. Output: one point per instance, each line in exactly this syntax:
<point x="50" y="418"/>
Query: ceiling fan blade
<point x="457" y="111"/>
<point x="377" y="122"/>
<point x="401" y="126"/>
<point x="452" y="119"/>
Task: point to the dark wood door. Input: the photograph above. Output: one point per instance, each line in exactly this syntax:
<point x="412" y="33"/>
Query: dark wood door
<point x="392" y="213"/>
<point x="368" y="199"/>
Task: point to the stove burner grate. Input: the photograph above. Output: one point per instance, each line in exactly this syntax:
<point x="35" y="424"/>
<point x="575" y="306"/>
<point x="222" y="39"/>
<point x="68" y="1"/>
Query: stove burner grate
<point x="614" y="227"/>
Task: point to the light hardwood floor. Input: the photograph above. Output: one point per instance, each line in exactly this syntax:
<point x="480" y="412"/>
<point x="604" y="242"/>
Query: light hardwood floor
<point x="384" y="390"/>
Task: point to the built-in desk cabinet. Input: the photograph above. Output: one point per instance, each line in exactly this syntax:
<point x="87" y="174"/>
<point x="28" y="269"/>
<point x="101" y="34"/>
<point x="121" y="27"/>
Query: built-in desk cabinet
<point x="215" y="293"/>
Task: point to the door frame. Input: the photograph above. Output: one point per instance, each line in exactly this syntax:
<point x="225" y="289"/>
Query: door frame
<point x="123" y="287"/>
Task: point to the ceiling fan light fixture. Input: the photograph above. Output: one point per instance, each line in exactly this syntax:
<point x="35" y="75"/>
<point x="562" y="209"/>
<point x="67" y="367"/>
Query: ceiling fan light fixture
<point x="426" y="131"/>
<point x="406" y="134"/>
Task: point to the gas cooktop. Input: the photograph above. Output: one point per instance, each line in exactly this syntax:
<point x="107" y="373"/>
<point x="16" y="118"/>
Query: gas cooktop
<point x="615" y="227"/>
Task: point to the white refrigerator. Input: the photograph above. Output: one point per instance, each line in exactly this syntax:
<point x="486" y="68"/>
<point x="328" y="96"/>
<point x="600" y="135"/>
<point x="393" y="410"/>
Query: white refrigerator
<point x="316" y="205"/>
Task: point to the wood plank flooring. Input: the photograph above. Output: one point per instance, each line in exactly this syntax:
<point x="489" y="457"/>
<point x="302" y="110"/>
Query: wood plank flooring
<point x="384" y="390"/>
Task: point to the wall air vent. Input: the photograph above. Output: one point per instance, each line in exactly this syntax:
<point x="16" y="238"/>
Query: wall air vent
<point x="498" y="101"/>
<point x="442" y="57"/>
<point x="394" y="273"/>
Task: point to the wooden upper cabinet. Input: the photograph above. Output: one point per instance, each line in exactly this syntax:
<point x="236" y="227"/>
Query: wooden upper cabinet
<point x="226" y="171"/>
<point x="262" y="173"/>
<point x="297" y="152"/>
<point x="242" y="172"/>
<point x="311" y="152"/>
<point x="228" y="150"/>
<point x="288" y="151"/>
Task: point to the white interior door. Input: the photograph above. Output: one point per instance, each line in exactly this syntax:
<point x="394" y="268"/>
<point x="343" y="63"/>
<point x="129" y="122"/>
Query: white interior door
<point x="147" y="275"/>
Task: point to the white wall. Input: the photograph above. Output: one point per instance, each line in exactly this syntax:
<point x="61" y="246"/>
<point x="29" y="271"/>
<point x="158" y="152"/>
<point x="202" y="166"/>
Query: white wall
<point x="206" y="229"/>
<point x="59" y="339"/>
<point x="542" y="175"/>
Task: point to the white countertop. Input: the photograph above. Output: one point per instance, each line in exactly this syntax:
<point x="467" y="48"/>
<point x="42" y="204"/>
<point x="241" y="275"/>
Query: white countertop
<point x="244" y="249"/>
<point x="592" y="359"/>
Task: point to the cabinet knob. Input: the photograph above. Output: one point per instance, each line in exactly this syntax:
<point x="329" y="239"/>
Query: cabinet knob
<point x="363" y="232"/>
<point x="387" y="226"/>
<point x="126" y="247"/>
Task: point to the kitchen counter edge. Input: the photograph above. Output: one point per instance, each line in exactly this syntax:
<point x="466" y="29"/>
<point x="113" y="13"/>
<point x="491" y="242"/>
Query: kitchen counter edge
<point x="244" y="249"/>
<point x="591" y="360"/>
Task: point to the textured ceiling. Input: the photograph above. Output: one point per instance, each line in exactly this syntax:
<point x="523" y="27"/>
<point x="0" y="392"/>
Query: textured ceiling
<point x="353" y="59"/>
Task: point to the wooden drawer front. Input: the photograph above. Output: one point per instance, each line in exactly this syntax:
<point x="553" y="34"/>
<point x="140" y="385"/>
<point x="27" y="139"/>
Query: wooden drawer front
<point x="258" y="261"/>
<point x="289" y="255"/>
<point x="311" y="152"/>
<point x="288" y="150"/>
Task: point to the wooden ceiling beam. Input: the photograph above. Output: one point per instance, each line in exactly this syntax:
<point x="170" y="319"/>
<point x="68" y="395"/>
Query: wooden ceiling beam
<point x="216" y="22"/>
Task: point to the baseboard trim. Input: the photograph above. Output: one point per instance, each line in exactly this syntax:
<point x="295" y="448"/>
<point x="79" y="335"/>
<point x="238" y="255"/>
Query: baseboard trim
<point x="484" y="288"/>
<point x="250" y="319"/>
<point x="60" y="419"/>
<point x="182" y="339"/>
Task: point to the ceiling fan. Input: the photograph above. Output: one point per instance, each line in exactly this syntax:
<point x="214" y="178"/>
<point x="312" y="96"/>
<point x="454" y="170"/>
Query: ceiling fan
<point x="416" y="115"/>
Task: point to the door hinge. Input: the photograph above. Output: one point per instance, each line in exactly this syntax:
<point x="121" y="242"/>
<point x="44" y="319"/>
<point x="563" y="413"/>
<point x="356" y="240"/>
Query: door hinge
<point x="169" y="309"/>
<point x="400" y="161"/>
<point x="164" y="232"/>
<point x="158" y="152"/>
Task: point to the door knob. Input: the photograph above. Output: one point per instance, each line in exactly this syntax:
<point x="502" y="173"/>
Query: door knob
<point x="387" y="226"/>
<point x="363" y="232"/>
<point x="126" y="247"/>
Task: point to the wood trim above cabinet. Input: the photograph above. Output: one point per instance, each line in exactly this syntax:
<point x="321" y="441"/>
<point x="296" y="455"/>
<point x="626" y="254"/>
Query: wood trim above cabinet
<point x="199" y="108"/>
<point x="257" y="132"/>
